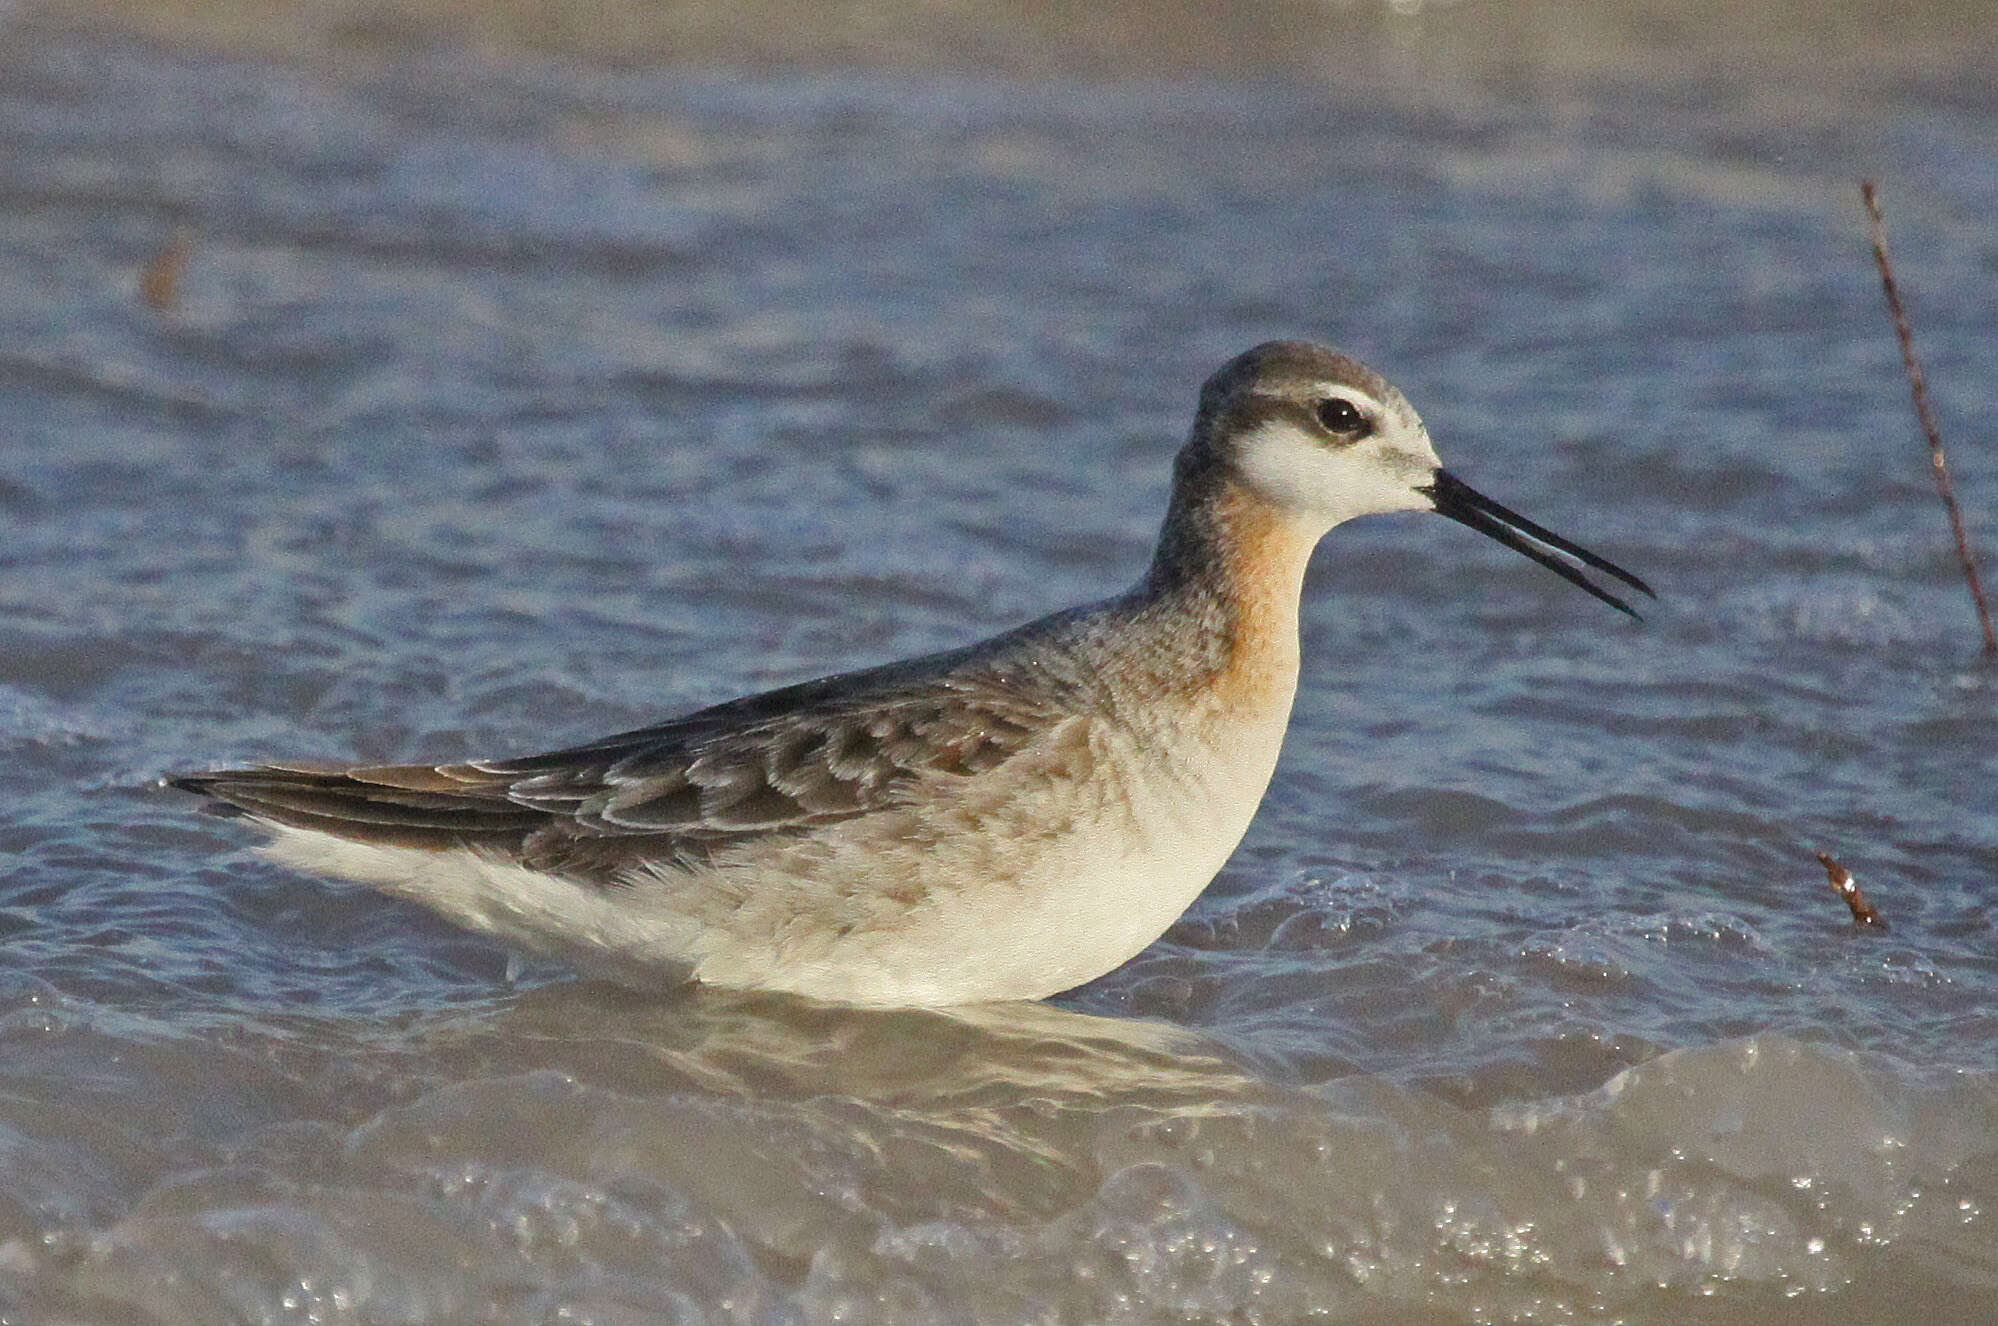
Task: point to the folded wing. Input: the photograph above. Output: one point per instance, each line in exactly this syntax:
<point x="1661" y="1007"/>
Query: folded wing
<point x="783" y="763"/>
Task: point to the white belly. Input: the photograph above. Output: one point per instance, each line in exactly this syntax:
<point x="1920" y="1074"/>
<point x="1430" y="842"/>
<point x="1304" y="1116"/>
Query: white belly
<point x="1054" y="891"/>
<point x="1044" y="874"/>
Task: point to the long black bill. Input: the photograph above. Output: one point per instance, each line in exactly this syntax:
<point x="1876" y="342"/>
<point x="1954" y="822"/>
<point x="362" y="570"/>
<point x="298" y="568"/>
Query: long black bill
<point x="1466" y="505"/>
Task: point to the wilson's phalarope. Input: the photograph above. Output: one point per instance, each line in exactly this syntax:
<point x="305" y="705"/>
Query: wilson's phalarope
<point x="1003" y="821"/>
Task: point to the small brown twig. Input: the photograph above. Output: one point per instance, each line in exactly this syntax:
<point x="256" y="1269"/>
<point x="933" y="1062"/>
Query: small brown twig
<point x="1843" y="884"/>
<point x="1876" y="229"/>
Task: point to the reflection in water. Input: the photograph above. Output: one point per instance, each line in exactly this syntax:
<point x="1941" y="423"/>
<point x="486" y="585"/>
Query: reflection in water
<point x="774" y="1046"/>
<point x="584" y="1146"/>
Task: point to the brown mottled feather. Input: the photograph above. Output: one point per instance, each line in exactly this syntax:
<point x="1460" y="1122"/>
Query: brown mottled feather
<point x="778" y="764"/>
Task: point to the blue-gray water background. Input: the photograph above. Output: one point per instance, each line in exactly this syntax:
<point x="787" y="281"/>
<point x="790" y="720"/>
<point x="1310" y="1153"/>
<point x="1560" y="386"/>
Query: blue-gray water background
<point x="535" y="380"/>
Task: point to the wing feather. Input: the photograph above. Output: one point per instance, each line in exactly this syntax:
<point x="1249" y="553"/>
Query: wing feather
<point x="782" y="763"/>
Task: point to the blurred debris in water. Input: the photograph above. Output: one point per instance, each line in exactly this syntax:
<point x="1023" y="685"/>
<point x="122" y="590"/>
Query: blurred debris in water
<point x="1847" y="888"/>
<point x="159" y="283"/>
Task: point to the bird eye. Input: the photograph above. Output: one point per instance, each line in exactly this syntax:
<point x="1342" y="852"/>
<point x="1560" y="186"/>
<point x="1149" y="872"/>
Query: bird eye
<point x="1339" y="415"/>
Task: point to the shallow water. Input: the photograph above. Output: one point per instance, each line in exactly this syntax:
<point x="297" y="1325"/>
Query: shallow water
<point x="508" y="399"/>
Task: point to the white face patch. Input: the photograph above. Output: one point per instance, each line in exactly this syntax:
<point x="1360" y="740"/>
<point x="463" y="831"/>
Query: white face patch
<point x="1322" y="479"/>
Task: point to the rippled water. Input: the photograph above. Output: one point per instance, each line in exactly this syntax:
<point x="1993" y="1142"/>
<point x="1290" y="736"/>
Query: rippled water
<point x="505" y="400"/>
